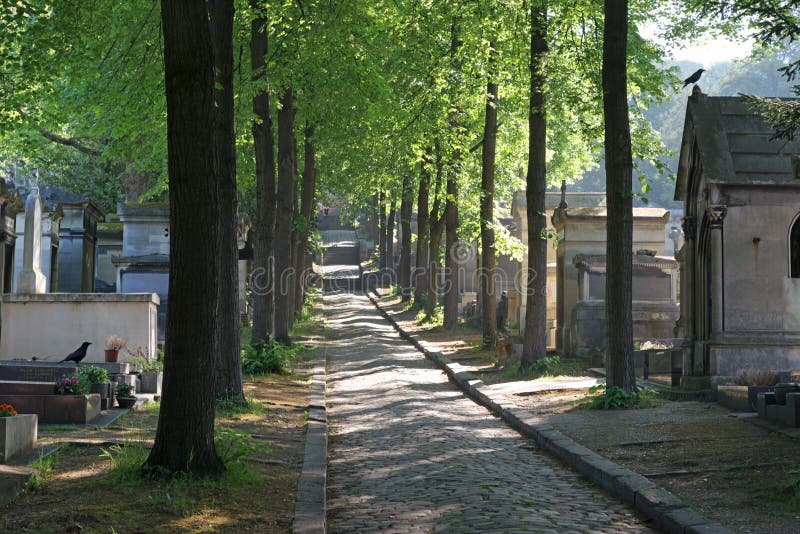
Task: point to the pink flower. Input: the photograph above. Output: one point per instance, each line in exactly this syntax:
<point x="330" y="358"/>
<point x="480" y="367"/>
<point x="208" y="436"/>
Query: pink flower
<point x="74" y="380"/>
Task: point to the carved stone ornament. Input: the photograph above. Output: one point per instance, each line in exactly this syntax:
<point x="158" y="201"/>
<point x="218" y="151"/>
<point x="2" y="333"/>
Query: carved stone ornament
<point x="716" y="214"/>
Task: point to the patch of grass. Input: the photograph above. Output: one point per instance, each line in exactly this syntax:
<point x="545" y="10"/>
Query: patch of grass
<point x="44" y="470"/>
<point x="151" y="407"/>
<point x="787" y="494"/>
<point x="413" y="304"/>
<point x="310" y="313"/>
<point x="228" y="408"/>
<point x="436" y="319"/>
<point x="617" y="398"/>
<point x="547" y="366"/>
<point x="179" y="491"/>
<point x="269" y="358"/>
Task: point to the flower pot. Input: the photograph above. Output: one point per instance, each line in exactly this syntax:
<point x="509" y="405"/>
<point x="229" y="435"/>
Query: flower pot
<point x="126" y="402"/>
<point x="112" y="355"/>
<point x="112" y="394"/>
<point x="100" y="389"/>
<point x="17" y="434"/>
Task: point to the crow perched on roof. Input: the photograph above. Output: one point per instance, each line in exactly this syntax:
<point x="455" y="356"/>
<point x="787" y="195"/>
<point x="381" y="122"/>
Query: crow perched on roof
<point x="694" y="77"/>
<point x="79" y="354"/>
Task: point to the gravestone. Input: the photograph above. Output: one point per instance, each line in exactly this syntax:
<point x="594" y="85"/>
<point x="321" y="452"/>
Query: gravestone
<point x="31" y="279"/>
<point x="143" y="266"/>
<point x="77" y="243"/>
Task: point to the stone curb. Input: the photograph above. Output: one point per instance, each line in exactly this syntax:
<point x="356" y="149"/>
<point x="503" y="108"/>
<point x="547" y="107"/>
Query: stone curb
<point x="668" y="513"/>
<point x="310" y="507"/>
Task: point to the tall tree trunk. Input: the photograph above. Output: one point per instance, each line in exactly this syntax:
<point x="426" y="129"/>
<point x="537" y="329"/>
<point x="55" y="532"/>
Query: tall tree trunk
<point x="619" y="223"/>
<point x="486" y="274"/>
<point x="372" y="225"/>
<point x="283" y="220"/>
<point x="451" y="262"/>
<point x="185" y="433"/>
<point x="263" y="279"/>
<point x="306" y="214"/>
<point x="294" y="249"/>
<point x="390" y="224"/>
<point x="436" y="223"/>
<point x="383" y="264"/>
<point x="451" y="254"/>
<point x="229" y="365"/>
<point x="406" y="209"/>
<point x="534" y="343"/>
<point x="421" y="267"/>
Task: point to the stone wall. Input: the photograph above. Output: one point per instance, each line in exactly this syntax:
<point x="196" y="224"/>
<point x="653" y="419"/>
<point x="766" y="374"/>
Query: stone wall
<point x="49" y="326"/>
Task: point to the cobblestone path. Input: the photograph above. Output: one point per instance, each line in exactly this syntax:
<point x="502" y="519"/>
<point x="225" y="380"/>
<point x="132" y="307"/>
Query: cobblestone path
<point x="410" y="453"/>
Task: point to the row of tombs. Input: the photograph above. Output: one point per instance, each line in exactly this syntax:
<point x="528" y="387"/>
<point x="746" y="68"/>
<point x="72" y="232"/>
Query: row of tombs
<point x="85" y="274"/>
<point x="716" y="280"/>
<point x="576" y="266"/>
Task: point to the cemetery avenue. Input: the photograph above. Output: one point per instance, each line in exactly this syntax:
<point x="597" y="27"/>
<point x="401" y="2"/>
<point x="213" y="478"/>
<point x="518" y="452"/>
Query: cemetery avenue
<point x="409" y="453"/>
<point x="399" y="266"/>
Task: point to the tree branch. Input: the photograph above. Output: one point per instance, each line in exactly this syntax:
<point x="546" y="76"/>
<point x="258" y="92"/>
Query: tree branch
<point x="73" y="142"/>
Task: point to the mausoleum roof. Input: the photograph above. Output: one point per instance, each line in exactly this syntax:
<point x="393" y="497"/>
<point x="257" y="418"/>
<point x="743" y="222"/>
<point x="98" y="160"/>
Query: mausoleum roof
<point x="553" y="198"/>
<point x="640" y="262"/>
<point x="143" y="260"/>
<point x="734" y="145"/>
<point x="52" y="196"/>
<point x="655" y="214"/>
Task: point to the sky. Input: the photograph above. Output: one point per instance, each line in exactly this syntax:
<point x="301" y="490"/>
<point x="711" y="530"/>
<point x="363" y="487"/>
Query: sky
<point x="706" y="50"/>
<point x="712" y="51"/>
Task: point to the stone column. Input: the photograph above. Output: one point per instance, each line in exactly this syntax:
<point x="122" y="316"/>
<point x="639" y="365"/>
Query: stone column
<point x="716" y="214"/>
<point x="31" y="279"/>
<point x="687" y="324"/>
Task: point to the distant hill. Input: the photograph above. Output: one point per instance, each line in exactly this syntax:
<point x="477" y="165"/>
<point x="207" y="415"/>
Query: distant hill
<point x="753" y="76"/>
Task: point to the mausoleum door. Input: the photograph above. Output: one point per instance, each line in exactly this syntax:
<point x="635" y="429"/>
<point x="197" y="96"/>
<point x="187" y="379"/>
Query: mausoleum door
<point x="702" y="315"/>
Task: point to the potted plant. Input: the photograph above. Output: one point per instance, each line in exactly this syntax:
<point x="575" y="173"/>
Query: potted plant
<point x="72" y="385"/>
<point x="151" y="373"/>
<point x="97" y="378"/>
<point x="125" y="396"/>
<point x="17" y="432"/>
<point x="114" y="344"/>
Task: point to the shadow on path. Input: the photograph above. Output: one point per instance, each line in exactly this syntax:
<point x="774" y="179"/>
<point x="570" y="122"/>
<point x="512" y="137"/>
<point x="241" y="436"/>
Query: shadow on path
<point x="410" y="453"/>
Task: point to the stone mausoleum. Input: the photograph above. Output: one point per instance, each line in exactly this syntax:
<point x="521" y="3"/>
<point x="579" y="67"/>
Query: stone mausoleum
<point x="143" y="265"/>
<point x="519" y="212"/>
<point x="68" y="237"/>
<point x="582" y="231"/>
<point x="740" y="262"/>
<point x="654" y="301"/>
<point x="577" y="229"/>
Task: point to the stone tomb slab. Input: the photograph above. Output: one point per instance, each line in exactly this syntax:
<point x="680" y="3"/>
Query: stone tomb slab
<point x="14" y="387"/>
<point x="35" y="371"/>
<point x="57" y="409"/>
